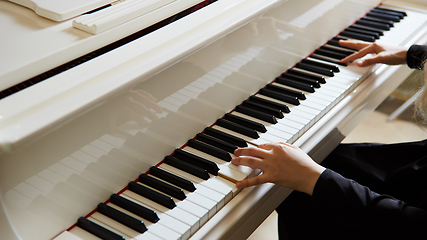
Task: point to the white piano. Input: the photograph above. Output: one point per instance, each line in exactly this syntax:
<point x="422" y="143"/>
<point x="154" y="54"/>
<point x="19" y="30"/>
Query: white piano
<point x="75" y="135"/>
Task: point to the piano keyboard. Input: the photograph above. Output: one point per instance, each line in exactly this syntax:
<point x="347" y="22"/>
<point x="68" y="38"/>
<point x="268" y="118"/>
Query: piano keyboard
<point x="179" y="195"/>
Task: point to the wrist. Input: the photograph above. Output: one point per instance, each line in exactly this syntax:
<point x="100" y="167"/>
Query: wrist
<point x="312" y="178"/>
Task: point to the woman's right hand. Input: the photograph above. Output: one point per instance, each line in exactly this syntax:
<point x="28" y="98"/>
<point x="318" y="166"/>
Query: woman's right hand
<point x="381" y="53"/>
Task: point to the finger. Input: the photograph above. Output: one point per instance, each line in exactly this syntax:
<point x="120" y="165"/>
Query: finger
<point x="251" y="151"/>
<point x="248" y="161"/>
<point x="368" y="61"/>
<point x="267" y="146"/>
<point x="361" y="53"/>
<point x="251" y="181"/>
<point x="354" y="44"/>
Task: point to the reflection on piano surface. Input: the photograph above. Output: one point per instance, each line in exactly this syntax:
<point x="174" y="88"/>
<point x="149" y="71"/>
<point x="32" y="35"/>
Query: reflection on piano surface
<point x="136" y="143"/>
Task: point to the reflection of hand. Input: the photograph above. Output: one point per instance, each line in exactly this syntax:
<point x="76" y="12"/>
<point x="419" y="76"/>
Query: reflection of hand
<point x="387" y="54"/>
<point x="137" y="105"/>
<point x="282" y="164"/>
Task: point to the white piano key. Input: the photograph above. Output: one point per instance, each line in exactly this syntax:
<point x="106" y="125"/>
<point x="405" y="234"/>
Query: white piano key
<point x="83" y="234"/>
<point x="309" y="118"/>
<point x="164" y="232"/>
<point x="170" y="217"/>
<point x="277" y="129"/>
<point x="226" y="168"/>
<point x="244" y="137"/>
<point x="197" y="196"/>
<point x="112" y="225"/>
<point x="204" y="202"/>
<point x="68" y="236"/>
<point x="149" y="234"/>
<point x="198" y="211"/>
<point x="191" y="220"/>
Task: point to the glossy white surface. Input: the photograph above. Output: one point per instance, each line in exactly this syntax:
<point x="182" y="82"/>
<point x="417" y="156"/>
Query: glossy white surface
<point x="126" y="66"/>
<point x="31" y="45"/>
<point x="99" y="131"/>
<point x="61" y="10"/>
<point x="129" y="10"/>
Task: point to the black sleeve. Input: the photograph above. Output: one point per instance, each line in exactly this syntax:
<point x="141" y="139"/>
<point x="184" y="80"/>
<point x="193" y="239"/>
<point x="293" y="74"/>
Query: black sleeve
<point x="366" y="210"/>
<point x="416" y="56"/>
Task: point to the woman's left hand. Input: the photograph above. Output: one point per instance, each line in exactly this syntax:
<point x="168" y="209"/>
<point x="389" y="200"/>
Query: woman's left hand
<point x="282" y="164"/>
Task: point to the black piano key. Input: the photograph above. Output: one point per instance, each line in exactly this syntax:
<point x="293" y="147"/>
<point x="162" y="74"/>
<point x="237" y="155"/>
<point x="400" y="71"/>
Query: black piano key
<point x="379" y="20"/>
<point x="315" y="69"/>
<point x="303" y="76"/>
<point x="269" y="103"/>
<point x="334" y="68"/>
<point x="337" y="50"/>
<point x="399" y="14"/>
<point x="206" y="148"/>
<point x="329" y="53"/>
<point x="186" y="167"/>
<point x="97" y="230"/>
<point x="216" y="142"/>
<point x="225" y="137"/>
<point x="326" y="59"/>
<point x="295" y="84"/>
<point x="238" y="128"/>
<point x="134" y="208"/>
<point x="358" y="36"/>
<point x="256" y="114"/>
<point x="122" y="218"/>
<point x="366" y="32"/>
<point x="173" y="179"/>
<point x="162" y="186"/>
<point x="282" y="97"/>
<point x="384" y="16"/>
<point x="367" y="28"/>
<point x="190" y="158"/>
<point x="152" y="195"/>
<point x="245" y="122"/>
<point x="263" y="108"/>
<point x="299" y="95"/>
<point x="373" y="24"/>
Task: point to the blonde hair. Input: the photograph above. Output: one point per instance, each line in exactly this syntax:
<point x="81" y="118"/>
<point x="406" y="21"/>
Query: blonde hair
<point x="421" y="101"/>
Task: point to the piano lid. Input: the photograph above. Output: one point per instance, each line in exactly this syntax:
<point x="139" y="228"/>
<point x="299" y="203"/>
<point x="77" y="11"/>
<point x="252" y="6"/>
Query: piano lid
<point x="32" y="45"/>
<point x="60" y="10"/>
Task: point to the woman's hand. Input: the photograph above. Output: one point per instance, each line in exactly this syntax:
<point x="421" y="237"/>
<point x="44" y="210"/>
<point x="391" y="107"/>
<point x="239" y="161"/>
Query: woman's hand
<point x="381" y="53"/>
<point x="282" y="164"/>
